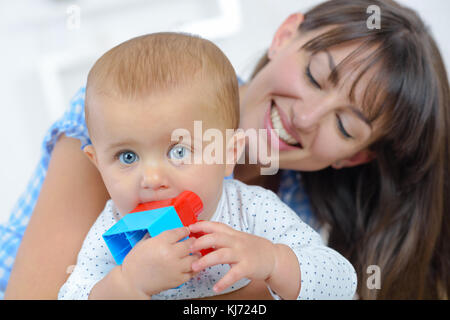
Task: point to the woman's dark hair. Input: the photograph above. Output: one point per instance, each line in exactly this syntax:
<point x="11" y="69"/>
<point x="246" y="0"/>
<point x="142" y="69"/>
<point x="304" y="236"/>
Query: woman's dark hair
<point x="394" y="211"/>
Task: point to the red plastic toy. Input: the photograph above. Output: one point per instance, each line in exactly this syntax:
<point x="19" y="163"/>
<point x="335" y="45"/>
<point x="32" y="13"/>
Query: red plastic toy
<point x="188" y="206"/>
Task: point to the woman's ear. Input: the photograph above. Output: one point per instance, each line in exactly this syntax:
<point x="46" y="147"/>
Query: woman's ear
<point x="360" y="157"/>
<point x="286" y="32"/>
<point x="89" y="151"/>
<point x="234" y="150"/>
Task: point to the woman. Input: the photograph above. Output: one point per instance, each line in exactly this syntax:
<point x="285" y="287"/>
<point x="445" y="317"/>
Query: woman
<point x="395" y="147"/>
<point x="364" y="116"/>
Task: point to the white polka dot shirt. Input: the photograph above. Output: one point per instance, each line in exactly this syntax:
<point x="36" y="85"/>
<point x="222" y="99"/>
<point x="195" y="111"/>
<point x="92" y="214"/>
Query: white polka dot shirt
<point x="325" y="274"/>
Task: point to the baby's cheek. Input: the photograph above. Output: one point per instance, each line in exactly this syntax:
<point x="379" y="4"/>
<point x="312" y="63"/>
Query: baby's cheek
<point x="208" y="185"/>
<point x="122" y="192"/>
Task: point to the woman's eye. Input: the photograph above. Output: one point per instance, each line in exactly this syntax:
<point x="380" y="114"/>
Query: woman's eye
<point x="311" y="78"/>
<point x="341" y="128"/>
<point x="128" y="157"/>
<point x="178" y="152"/>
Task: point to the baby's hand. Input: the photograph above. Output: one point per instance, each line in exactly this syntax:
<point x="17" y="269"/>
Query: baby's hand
<point x="159" y="263"/>
<point x="249" y="256"/>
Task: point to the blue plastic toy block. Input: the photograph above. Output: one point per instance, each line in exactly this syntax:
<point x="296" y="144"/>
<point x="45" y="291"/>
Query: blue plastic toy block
<point x="129" y="230"/>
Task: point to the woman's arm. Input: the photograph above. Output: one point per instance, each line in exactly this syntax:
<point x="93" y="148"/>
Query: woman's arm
<point x="71" y="198"/>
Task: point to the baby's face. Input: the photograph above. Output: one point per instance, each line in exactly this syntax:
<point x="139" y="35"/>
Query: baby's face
<point x="138" y="161"/>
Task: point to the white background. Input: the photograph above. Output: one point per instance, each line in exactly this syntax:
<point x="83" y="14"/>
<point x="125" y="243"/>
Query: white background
<point x="43" y="61"/>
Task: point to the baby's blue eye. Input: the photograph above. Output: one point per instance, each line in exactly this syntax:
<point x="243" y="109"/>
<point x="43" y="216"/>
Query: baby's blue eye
<point x="178" y="152"/>
<point x="128" y="157"/>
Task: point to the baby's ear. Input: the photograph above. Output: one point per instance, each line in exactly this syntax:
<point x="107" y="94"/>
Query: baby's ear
<point x="89" y="151"/>
<point x="235" y="148"/>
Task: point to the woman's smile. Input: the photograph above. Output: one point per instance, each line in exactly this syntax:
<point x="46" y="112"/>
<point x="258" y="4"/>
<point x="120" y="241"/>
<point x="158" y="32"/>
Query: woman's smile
<point x="275" y="118"/>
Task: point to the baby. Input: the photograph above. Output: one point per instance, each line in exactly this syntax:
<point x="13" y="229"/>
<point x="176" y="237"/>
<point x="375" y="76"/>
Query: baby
<point x="138" y="94"/>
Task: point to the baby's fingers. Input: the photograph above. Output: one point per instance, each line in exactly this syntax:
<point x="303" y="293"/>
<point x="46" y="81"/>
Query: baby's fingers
<point x="174" y="235"/>
<point x="186" y="262"/>
<point x="232" y="276"/>
<point x="221" y="256"/>
<point x="209" y="227"/>
<point x="183" y="248"/>
<point x="212" y="240"/>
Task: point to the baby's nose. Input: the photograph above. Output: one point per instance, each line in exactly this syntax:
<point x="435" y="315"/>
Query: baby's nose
<point x="153" y="178"/>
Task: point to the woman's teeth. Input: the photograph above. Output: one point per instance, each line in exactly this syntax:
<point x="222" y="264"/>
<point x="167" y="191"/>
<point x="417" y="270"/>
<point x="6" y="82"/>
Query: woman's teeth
<point x="277" y="124"/>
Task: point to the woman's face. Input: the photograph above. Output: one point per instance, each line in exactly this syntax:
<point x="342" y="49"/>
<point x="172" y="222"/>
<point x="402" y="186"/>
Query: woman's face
<point x="318" y="124"/>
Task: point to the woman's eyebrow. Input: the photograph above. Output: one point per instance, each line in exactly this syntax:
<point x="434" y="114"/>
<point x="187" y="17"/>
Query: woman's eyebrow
<point x="360" y="115"/>
<point x="354" y="110"/>
<point x="334" y="74"/>
<point x="331" y="63"/>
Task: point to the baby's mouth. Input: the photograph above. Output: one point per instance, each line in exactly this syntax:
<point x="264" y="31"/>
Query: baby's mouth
<point x="277" y="123"/>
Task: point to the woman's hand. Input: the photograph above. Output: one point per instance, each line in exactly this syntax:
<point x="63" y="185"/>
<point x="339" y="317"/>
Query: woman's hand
<point x="249" y="256"/>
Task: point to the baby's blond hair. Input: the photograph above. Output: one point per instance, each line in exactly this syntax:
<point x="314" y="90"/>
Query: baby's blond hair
<point x="161" y="62"/>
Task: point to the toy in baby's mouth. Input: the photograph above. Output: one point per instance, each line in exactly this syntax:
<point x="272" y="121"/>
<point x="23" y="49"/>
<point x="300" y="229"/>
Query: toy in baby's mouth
<point x="153" y="218"/>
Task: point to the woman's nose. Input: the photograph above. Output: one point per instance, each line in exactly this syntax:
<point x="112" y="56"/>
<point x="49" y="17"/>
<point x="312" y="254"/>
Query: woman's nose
<point x="307" y="116"/>
<point x="153" y="177"/>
